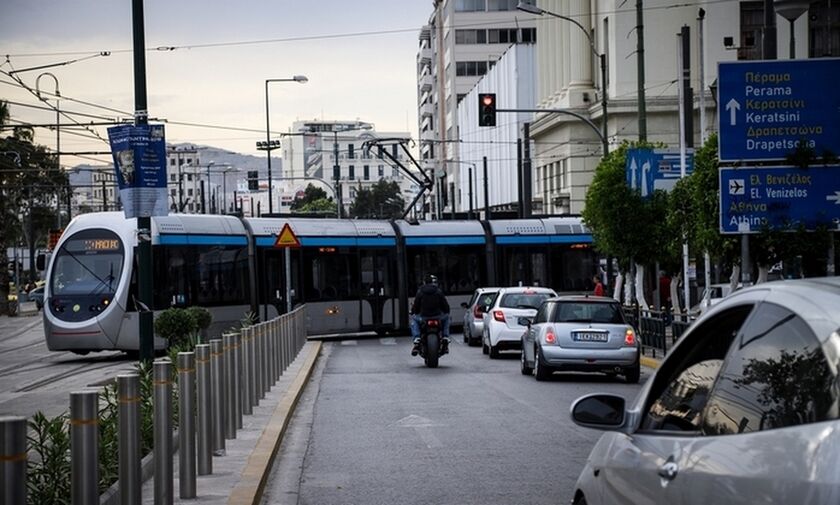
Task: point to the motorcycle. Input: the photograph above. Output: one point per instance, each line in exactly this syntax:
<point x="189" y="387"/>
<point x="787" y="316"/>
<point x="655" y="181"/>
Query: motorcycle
<point x="432" y="344"/>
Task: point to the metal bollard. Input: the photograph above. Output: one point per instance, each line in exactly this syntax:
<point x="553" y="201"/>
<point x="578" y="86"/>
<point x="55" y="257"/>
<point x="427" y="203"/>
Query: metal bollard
<point x="272" y="348"/>
<point x="237" y="379"/>
<point x="258" y="390"/>
<point x="205" y="409"/>
<point x="264" y="359"/>
<point x="284" y="354"/>
<point x="131" y="480"/>
<point x="162" y="397"/>
<point x="84" y="447"/>
<point x="217" y="391"/>
<point x="186" y="424"/>
<point x="230" y="395"/>
<point x="13" y="460"/>
<point x="247" y="406"/>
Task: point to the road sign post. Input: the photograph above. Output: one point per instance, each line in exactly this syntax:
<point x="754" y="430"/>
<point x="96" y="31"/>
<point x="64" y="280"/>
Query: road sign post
<point x="770" y="108"/>
<point x="288" y="240"/>
<point x="753" y="199"/>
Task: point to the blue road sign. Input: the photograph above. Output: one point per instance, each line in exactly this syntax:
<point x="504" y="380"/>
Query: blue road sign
<point x="753" y="199"/>
<point x="139" y="154"/>
<point x="650" y="169"/>
<point x="769" y="108"/>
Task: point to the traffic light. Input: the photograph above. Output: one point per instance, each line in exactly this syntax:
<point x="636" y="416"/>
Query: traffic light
<point x="487" y="109"/>
<point x="253" y="180"/>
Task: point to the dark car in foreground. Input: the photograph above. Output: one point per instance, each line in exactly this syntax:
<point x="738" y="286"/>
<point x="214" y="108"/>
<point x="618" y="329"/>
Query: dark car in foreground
<point x="745" y="409"/>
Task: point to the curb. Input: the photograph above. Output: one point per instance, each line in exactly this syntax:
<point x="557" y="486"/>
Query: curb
<point x="649" y="362"/>
<point x="251" y="485"/>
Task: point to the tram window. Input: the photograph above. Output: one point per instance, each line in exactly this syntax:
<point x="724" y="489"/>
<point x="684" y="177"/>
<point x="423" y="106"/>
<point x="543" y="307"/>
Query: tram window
<point x="222" y="276"/>
<point x="572" y="268"/>
<point x="329" y="277"/>
<point x="460" y="269"/>
<point x="172" y="270"/>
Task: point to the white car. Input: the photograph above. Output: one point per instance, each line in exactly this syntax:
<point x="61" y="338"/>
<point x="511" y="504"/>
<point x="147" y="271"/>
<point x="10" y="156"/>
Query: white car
<point x="502" y="330"/>
<point x="474" y="314"/>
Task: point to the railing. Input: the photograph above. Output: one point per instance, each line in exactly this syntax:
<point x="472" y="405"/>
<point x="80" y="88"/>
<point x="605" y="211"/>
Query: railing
<point x="655" y="326"/>
<point x="216" y="385"/>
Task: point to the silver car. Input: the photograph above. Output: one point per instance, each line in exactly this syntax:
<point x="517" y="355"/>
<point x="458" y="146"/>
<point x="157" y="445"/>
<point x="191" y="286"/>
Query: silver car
<point x="474" y="311"/>
<point x="502" y="327"/>
<point x="745" y="409"/>
<point x="580" y="333"/>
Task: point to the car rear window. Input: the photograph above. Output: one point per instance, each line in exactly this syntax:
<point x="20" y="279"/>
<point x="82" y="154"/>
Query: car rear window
<point x="523" y="300"/>
<point x="486" y="299"/>
<point x="588" y="312"/>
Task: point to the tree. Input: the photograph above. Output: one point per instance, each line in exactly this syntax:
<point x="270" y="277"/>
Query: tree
<point x="31" y="185"/>
<point x="314" y="201"/>
<point x="381" y="201"/>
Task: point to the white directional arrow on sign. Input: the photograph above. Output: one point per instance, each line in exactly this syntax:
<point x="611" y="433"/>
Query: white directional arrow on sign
<point x="732" y="106"/>
<point x="835" y="197"/>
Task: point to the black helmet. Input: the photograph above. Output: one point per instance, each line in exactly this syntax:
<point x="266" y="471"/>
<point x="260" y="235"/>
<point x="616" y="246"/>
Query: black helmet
<point x="431" y="279"/>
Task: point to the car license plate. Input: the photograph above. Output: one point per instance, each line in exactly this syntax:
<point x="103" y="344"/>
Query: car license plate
<point x="590" y="337"/>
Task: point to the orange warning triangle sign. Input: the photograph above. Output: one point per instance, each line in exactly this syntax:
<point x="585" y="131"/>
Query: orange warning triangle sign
<point x="287" y="238"/>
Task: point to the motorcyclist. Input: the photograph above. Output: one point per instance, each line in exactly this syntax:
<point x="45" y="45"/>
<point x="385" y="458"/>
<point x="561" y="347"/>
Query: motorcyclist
<point x="429" y="303"/>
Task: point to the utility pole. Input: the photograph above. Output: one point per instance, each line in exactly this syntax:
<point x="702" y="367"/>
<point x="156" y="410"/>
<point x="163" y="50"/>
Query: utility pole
<point x="768" y="46"/>
<point x="526" y="170"/>
<point x="144" y="224"/>
<point x="486" y="192"/>
<point x="519" y="193"/>
<point x="640" y="70"/>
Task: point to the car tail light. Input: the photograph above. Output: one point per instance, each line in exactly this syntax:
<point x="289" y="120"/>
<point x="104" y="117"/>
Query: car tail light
<point x="477" y="312"/>
<point x="630" y="337"/>
<point x="499" y="316"/>
<point x="549" y="336"/>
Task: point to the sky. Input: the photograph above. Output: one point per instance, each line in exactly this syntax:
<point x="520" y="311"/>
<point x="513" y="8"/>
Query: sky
<point x="359" y="57"/>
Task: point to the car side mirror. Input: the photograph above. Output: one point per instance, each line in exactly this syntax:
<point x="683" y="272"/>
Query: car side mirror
<point x="464" y="305"/>
<point x="525" y="321"/>
<point x="599" y="411"/>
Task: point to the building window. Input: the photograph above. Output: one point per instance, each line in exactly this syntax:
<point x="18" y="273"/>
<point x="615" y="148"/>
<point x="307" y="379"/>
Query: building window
<point x="529" y="35"/>
<point x="381" y="171"/>
<point x="395" y="172"/>
<point x="172" y="162"/>
<point x="350" y="153"/>
<point x="380" y="152"/>
<point x="366" y="170"/>
<point x="469" y="5"/>
<point x="824" y="38"/>
<point x="470" y="36"/>
<point x="501" y="36"/>
<point x="189" y="177"/>
<point x="190" y="192"/>
<point x="172" y="192"/>
<point x="470" y="68"/>
<point x="351" y="172"/>
<point x="752" y="23"/>
<point x="395" y="151"/>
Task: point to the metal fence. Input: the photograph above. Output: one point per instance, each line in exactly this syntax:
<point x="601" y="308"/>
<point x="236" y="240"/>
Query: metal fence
<point x="658" y="330"/>
<point x="217" y="384"/>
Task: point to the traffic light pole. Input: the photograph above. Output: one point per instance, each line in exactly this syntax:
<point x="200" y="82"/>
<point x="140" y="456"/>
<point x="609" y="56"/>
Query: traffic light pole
<point x="144" y="224"/>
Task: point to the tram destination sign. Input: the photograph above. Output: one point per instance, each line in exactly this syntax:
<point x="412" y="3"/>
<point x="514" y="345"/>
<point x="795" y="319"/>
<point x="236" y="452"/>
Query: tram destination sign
<point x="769" y="108"/>
<point x="753" y="199"/>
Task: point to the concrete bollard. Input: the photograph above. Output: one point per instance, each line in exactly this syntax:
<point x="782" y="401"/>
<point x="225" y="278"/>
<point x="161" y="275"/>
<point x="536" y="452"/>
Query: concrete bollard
<point x="186" y="424"/>
<point x="84" y="447"/>
<point x="205" y="409"/>
<point x="131" y="480"/>
<point x="247" y="380"/>
<point x="230" y="396"/>
<point x="13" y="460"/>
<point x="218" y="393"/>
<point x="237" y="379"/>
<point x="162" y="397"/>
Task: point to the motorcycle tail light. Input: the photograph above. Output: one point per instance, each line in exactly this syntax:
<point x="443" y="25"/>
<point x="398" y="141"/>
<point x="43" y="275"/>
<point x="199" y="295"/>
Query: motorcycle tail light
<point x="549" y="336"/>
<point x="499" y="316"/>
<point x="630" y="337"/>
<point x="433" y="323"/>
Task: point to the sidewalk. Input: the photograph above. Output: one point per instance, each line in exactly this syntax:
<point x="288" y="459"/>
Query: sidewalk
<point x="238" y="478"/>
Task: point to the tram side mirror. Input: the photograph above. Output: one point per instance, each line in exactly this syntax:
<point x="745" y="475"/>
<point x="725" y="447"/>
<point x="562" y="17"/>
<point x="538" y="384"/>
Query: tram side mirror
<point x="464" y="305"/>
<point x="41" y="262"/>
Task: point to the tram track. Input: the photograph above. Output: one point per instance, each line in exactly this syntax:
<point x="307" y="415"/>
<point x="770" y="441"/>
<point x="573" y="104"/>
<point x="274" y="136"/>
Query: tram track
<point x="86" y="367"/>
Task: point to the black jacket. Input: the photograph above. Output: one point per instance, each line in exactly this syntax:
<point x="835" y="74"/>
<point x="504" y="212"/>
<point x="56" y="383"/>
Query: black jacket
<point x="430" y="301"/>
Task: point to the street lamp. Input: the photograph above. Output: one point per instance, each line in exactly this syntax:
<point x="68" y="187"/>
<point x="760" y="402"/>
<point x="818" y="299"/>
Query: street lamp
<point x="298" y="78"/>
<point x="533" y="9"/>
<point x="57" y="137"/>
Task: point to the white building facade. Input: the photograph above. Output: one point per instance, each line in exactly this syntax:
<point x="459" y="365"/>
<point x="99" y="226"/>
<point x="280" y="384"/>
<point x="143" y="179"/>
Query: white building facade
<point x="513" y="81"/>
<point x="566" y="151"/>
<point x="462" y="41"/>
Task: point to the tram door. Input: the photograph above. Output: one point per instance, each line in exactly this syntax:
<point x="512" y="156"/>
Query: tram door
<point x="377" y="290"/>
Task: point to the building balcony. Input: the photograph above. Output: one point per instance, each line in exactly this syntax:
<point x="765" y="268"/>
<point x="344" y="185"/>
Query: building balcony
<point x="427" y="109"/>
<point x="424" y="56"/>
<point x="426" y="82"/>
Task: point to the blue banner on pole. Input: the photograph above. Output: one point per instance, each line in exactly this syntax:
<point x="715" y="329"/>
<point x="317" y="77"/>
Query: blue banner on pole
<point x="755" y="199"/>
<point x="139" y="154"/>
<point x="650" y="169"/>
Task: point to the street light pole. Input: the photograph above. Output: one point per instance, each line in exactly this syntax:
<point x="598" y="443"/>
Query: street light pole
<point x="337" y="175"/>
<point x="533" y="9"/>
<point x="298" y="78"/>
<point x="57" y="134"/>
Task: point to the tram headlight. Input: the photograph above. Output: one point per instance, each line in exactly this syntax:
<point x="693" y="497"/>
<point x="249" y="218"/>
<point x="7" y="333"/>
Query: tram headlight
<point x="105" y="302"/>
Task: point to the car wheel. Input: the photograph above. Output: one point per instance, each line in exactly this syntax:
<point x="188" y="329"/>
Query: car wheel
<point x="580" y="501"/>
<point x="633" y="373"/>
<point x="494" y="351"/>
<point x="523" y="363"/>
<point x="541" y="371"/>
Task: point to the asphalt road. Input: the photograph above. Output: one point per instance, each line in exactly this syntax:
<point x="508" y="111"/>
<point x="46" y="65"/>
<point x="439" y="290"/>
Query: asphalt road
<point x="375" y="426"/>
<point x="34" y="379"/>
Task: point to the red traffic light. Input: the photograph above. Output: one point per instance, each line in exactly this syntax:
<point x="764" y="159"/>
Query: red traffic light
<point x="487" y="99"/>
<point x="487" y="109"/>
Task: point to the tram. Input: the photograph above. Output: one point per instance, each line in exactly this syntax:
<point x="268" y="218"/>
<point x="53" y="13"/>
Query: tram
<point x="352" y="275"/>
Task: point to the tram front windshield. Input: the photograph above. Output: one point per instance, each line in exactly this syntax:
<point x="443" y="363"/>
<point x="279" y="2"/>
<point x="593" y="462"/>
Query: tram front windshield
<point x="87" y="269"/>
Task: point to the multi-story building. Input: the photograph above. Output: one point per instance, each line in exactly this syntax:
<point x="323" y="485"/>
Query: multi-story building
<point x="184" y="179"/>
<point x="336" y="155"/>
<point x="565" y="150"/>
<point x="461" y="42"/>
<point x="104" y="192"/>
